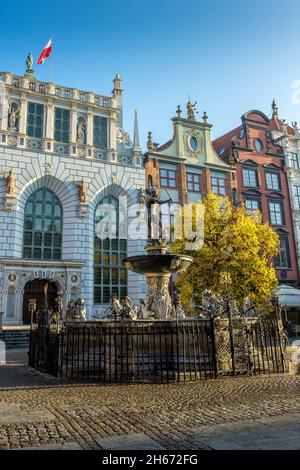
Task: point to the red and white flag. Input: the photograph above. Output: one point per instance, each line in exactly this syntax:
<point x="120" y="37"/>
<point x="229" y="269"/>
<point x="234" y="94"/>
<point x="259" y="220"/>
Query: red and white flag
<point x="45" y="52"/>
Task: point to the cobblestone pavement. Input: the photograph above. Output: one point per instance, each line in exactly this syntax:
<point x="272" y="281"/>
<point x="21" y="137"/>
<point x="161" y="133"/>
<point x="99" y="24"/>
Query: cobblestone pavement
<point x="242" y="412"/>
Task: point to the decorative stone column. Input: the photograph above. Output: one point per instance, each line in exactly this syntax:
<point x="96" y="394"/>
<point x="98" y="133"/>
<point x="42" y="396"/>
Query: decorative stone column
<point x="49" y="137"/>
<point x="73" y="136"/>
<point x="112" y="133"/>
<point x="4" y="111"/>
<point x="23" y="115"/>
<point x="89" y="133"/>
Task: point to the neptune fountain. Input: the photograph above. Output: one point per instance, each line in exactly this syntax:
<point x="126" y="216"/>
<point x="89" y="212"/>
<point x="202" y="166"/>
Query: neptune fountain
<point x="157" y="265"/>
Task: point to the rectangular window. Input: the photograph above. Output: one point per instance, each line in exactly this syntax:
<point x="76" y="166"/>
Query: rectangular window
<point x="276" y="213"/>
<point x="252" y="205"/>
<point x="193" y="182"/>
<point x="62" y="125"/>
<point x="272" y="180"/>
<point x="35" y="120"/>
<point x="110" y="276"/>
<point x="282" y="260"/>
<point x="100" y="132"/>
<point x="297" y="197"/>
<point x="168" y="178"/>
<point x="294" y="160"/>
<point x="219" y="184"/>
<point x="250" y="177"/>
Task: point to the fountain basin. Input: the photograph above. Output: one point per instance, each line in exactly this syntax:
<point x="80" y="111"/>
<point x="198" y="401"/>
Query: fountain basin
<point x="159" y="263"/>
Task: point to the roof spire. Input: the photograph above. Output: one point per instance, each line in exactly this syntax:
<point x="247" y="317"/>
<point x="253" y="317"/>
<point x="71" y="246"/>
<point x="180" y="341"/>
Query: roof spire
<point x="117" y="85"/>
<point x="136" y="139"/>
<point x="274" y="108"/>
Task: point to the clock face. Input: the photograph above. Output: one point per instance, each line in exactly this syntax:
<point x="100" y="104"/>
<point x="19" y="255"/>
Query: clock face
<point x="193" y="142"/>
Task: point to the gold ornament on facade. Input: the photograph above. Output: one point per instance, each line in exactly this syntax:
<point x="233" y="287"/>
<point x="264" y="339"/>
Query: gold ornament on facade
<point x="10" y="183"/>
<point x="82" y="190"/>
<point x="150" y="141"/>
<point x="9" y="198"/>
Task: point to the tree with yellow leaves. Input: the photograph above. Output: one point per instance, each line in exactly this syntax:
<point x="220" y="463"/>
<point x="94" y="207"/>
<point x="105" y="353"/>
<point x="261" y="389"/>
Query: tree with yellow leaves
<point x="237" y="244"/>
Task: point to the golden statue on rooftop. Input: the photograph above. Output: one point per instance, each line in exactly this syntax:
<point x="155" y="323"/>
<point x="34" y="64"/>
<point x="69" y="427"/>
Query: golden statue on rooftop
<point x="191" y="108"/>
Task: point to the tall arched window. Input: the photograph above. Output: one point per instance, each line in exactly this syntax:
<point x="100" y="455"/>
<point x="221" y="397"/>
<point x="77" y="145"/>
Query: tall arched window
<point x="43" y="226"/>
<point x="110" y="276"/>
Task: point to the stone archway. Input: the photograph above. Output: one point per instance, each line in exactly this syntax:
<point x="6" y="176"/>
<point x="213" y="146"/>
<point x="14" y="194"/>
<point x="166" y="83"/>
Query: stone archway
<point x="35" y="290"/>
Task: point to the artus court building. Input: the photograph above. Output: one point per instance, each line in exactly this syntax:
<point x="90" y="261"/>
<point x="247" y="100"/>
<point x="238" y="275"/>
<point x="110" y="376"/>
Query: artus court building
<point x="64" y="155"/>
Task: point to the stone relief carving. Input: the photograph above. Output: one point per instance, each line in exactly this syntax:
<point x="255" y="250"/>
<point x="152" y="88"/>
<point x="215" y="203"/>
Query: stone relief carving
<point x="123" y="137"/>
<point x="187" y="136"/>
<point x="158" y="298"/>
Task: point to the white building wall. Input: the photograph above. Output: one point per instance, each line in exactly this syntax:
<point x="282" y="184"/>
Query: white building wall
<point x="30" y="171"/>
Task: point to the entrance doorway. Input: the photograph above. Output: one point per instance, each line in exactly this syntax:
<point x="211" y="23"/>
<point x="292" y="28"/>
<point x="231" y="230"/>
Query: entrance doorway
<point x="35" y="290"/>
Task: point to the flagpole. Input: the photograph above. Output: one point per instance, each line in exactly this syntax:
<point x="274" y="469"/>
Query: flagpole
<point x="50" y="61"/>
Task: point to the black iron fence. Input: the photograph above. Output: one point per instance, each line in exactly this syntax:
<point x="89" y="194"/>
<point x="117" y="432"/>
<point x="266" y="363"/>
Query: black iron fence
<point x="158" y="351"/>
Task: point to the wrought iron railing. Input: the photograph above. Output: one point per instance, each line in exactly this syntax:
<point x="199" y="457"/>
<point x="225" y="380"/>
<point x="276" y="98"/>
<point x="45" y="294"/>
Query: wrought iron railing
<point x="158" y="351"/>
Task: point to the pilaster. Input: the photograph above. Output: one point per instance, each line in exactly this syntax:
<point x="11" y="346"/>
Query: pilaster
<point x="183" y="193"/>
<point x="89" y="128"/>
<point x="206" y="181"/>
<point x="4" y="111"/>
<point x="23" y="114"/>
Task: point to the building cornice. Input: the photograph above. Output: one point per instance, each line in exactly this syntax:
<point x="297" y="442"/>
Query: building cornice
<point x="42" y="263"/>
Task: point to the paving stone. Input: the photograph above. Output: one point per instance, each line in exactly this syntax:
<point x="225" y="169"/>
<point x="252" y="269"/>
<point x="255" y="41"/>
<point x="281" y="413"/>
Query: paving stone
<point x="129" y="442"/>
<point x="65" y="446"/>
<point x="276" y="445"/>
<point x="235" y="412"/>
<point x="218" y="443"/>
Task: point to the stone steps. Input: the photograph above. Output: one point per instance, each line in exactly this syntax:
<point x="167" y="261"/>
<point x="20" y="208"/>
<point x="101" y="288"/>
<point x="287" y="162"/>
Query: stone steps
<point x="15" y="339"/>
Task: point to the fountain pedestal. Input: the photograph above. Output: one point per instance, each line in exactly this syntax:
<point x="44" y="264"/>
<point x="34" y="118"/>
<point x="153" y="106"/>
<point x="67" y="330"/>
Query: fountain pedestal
<point x="157" y="269"/>
<point x="158" y="298"/>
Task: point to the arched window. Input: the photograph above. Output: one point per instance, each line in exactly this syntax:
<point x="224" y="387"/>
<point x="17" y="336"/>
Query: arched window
<point x="43" y="226"/>
<point x="110" y="276"/>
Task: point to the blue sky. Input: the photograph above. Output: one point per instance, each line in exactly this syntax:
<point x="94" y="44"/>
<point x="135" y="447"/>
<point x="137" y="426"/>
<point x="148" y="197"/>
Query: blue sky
<point x="229" y="56"/>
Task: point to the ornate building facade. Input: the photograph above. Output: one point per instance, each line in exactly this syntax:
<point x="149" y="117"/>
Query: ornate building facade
<point x="263" y="183"/>
<point x="187" y="167"/>
<point x="288" y="136"/>
<point x="66" y="166"/>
